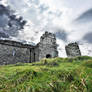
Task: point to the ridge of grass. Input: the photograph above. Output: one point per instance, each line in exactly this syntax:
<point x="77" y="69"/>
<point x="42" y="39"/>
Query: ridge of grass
<point x="48" y="75"/>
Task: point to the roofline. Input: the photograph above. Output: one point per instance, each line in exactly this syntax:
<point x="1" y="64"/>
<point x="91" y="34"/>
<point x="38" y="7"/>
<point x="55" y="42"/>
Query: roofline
<point x="15" y="44"/>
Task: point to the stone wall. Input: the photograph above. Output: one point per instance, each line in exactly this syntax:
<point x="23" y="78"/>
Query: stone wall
<point x="34" y="54"/>
<point x="47" y="46"/>
<point x="12" y="52"/>
<point x="12" y="55"/>
<point x="72" y="50"/>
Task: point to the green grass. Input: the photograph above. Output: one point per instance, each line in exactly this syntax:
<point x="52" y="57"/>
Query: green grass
<point x="48" y="75"/>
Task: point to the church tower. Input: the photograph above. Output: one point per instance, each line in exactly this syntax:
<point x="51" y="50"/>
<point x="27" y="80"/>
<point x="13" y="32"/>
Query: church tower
<point x="48" y="46"/>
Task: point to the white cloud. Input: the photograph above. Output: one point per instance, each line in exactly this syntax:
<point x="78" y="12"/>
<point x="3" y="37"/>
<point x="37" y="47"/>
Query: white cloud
<point x="4" y="2"/>
<point x="49" y="14"/>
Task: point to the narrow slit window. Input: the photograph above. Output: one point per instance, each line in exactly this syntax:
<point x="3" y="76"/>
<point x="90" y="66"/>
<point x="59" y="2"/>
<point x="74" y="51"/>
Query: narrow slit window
<point x="13" y="52"/>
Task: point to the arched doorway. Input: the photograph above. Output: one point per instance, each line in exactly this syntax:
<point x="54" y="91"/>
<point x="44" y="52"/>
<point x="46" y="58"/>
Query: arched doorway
<point x="48" y="56"/>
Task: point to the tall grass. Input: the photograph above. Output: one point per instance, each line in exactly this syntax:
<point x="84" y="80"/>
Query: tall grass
<point x="48" y="75"/>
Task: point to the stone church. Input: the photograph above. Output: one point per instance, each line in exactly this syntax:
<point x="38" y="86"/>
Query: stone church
<point x="12" y="52"/>
<point x="46" y="48"/>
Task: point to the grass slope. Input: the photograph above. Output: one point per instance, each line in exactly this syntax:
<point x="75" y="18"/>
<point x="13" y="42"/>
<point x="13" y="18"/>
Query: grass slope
<point x="48" y="75"/>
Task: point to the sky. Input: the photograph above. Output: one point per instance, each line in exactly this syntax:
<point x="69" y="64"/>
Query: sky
<point x="70" y="20"/>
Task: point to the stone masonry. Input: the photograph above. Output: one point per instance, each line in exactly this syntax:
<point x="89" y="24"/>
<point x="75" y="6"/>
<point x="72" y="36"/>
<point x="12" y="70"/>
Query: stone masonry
<point x="12" y="52"/>
<point x="46" y="48"/>
<point x="72" y="50"/>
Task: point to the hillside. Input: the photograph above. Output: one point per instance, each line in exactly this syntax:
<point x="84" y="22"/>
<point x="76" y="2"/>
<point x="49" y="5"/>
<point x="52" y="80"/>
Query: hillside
<point x="48" y="75"/>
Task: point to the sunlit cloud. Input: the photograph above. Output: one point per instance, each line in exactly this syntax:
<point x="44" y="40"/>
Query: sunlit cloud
<point x="51" y="15"/>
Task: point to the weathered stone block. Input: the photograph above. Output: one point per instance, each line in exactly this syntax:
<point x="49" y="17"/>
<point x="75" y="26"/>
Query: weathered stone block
<point x="72" y="50"/>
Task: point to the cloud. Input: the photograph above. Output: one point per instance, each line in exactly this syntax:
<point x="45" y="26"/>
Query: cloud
<point x="10" y="23"/>
<point x="85" y="17"/>
<point x="51" y="15"/>
<point x="4" y="2"/>
<point x="3" y="20"/>
<point x="88" y="37"/>
<point x="3" y="34"/>
<point x="61" y="34"/>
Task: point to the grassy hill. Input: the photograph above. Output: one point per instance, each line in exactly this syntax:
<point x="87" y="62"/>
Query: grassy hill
<point x="48" y="75"/>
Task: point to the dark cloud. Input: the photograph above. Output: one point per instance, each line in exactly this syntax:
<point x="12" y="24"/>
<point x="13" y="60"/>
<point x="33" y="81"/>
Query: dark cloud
<point x="85" y="17"/>
<point x="4" y="13"/>
<point x="9" y="22"/>
<point x="61" y="34"/>
<point x="88" y="37"/>
<point x="3" y="20"/>
<point x="4" y="10"/>
<point x="3" y="35"/>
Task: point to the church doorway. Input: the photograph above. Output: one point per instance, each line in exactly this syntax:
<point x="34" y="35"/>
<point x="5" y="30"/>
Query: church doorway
<point x="48" y="56"/>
